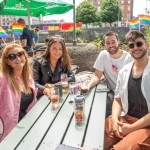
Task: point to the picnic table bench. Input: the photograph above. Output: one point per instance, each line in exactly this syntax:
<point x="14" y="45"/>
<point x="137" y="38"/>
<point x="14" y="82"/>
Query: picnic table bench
<point x="44" y="128"/>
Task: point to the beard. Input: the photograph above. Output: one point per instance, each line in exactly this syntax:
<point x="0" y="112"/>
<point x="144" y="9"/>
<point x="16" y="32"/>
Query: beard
<point x="114" y="51"/>
<point x="141" y="56"/>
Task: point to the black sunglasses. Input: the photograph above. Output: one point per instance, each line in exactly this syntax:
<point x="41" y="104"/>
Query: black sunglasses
<point x="138" y="44"/>
<point x="14" y="56"/>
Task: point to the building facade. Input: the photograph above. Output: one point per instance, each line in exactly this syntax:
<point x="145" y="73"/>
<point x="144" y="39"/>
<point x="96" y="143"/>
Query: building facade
<point x="9" y="20"/>
<point x="126" y="6"/>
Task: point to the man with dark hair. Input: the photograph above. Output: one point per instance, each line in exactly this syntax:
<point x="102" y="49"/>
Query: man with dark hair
<point x="109" y="62"/>
<point x="27" y="40"/>
<point x="35" y="34"/>
<point x="129" y="125"/>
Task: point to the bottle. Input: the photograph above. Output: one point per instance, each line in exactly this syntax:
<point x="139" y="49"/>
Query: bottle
<point x="79" y="109"/>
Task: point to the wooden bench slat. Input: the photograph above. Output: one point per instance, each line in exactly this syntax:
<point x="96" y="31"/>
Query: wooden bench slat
<point x="75" y="134"/>
<point x="95" y="132"/>
<point x="39" y="128"/>
<point x="57" y="130"/>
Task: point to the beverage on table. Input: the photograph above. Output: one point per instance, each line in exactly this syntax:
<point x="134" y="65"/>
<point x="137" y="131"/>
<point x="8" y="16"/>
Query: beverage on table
<point x="55" y="96"/>
<point x="84" y="87"/>
<point x="79" y="109"/>
<point x="64" y="82"/>
<point x="55" y="101"/>
<point x="72" y="90"/>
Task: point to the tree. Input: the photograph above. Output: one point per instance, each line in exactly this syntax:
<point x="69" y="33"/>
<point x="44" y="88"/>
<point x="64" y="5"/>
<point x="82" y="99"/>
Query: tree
<point x="110" y="11"/>
<point x="86" y="13"/>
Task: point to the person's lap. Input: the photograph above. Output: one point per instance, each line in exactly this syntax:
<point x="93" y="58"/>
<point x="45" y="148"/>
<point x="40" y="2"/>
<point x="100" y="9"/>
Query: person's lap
<point x="137" y="140"/>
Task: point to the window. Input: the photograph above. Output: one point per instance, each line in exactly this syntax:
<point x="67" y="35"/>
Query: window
<point x="129" y="16"/>
<point x="122" y="2"/>
<point x="129" y="1"/>
<point x="129" y="8"/>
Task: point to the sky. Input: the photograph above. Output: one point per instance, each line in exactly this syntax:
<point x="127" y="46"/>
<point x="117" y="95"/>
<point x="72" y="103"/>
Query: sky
<point x="138" y="8"/>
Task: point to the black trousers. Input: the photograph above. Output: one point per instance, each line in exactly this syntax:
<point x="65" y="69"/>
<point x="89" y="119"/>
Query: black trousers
<point x="110" y="98"/>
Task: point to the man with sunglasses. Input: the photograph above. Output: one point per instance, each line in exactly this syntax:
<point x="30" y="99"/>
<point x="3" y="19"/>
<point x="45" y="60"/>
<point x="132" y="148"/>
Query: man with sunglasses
<point x="35" y="34"/>
<point x="129" y="125"/>
<point x="109" y="62"/>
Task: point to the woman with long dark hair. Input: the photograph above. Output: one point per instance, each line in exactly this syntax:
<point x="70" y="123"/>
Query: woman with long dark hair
<point x="47" y="69"/>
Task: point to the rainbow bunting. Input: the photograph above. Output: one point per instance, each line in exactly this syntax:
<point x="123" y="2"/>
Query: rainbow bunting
<point x="144" y="19"/>
<point x="134" y="24"/>
<point x="17" y="29"/>
<point x="3" y="34"/>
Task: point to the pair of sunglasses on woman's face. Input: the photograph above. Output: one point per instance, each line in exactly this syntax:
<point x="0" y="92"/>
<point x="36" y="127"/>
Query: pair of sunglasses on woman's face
<point x="138" y="44"/>
<point x="14" y="56"/>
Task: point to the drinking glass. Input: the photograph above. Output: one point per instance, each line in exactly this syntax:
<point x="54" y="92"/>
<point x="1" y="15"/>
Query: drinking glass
<point x="64" y="82"/>
<point x="72" y="90"/>
<point x="84" y="87"/>
<point x="55" y="96"/>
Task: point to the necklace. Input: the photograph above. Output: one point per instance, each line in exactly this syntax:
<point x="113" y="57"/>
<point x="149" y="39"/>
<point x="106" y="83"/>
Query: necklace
<point x="53" y="66"/>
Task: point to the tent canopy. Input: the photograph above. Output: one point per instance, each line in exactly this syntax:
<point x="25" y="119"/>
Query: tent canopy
<point x="34" y="7"/>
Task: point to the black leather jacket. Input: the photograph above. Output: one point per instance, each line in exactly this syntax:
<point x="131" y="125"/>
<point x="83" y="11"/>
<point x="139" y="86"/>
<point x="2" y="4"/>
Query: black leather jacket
<point x="42" y="73"/>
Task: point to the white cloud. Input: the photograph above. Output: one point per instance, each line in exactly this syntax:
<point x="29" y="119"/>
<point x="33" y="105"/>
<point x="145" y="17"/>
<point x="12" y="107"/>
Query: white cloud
<point x="68" y="17"/>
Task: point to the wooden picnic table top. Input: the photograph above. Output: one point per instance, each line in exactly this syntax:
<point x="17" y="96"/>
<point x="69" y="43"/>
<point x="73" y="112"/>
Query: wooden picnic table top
<point x="44" y="128"/>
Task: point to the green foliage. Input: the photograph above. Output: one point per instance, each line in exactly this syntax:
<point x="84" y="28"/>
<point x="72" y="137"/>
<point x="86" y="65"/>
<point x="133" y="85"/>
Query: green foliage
<point x="98" y="43"/>
<point x="78" y="31"/>
<point x="147" y="32"/>
<point x="86" y="13"/>
<point x="110" y="11"/>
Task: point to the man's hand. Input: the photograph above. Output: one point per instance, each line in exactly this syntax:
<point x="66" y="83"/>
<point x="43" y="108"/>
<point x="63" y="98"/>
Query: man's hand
<point x="117" y="130"/>
<point x="126" y="128"/>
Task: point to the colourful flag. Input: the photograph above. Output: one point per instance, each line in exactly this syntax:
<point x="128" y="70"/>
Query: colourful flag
<point x="145" y="19"/>
<point x="17" y="29"/>
<point x="3" y="34"/>
<point x="134" y="24"/>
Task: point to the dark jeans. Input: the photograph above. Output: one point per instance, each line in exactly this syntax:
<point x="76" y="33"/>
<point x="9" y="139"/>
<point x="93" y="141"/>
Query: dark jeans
<point x="110" y="98"/>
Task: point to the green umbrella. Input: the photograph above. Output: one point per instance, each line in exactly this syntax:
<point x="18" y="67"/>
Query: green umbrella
<point x="36" y="7"/>
<point x="33" y="7"/>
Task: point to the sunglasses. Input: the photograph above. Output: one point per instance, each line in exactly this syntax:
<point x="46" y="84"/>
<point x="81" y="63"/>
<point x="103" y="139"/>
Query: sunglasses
<point x="14" y="56"/>
<point x="138" y="44"/>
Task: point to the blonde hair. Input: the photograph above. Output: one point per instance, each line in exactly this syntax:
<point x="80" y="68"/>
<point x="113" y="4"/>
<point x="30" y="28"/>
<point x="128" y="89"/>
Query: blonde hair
<point x="7" y="70"/>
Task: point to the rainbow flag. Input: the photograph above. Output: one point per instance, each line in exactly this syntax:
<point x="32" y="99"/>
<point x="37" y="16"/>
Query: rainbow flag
<point x="3" y="34"/>
<point x="17" y="29"/>
<point x="134" y="24"/>
<point x="144" y="19"/>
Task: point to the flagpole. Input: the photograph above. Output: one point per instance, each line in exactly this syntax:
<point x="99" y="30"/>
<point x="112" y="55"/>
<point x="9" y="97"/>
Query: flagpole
<point x="139" y="23"/>
<point x="14" y="38"/>
<point x="4" y="41"/>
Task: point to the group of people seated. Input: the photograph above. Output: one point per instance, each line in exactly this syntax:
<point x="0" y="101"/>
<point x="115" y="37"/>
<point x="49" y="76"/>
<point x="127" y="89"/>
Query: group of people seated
<point x="127" y="123"/>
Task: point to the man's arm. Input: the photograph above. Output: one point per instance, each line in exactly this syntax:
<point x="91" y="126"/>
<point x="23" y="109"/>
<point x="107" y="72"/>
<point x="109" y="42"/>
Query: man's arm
<point x="95" y="79"/>
<point x="24" y="42"/>
<point x="116" y="110"/>
<point x="33" y="42"/>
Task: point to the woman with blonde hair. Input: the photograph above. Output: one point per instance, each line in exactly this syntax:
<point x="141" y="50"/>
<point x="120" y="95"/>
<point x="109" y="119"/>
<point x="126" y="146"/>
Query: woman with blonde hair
<point x="17" y="90"/>
<point x="47" y="69"/>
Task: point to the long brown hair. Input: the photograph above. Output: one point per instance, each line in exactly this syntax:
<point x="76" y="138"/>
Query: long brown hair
<point x="65" y="59"/>
<point x="7" y="70"/>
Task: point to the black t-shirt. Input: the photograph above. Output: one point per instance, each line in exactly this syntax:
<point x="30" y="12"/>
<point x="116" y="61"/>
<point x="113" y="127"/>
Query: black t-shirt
<point x="137" y="102"/>
<point x="28" y="35"/>
<point x="26" y="100"/>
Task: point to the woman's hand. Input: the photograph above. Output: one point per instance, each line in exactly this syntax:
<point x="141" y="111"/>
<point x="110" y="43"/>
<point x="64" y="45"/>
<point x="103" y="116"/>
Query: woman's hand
<point x="49" y="85"/>
<point x="47" y="92"/>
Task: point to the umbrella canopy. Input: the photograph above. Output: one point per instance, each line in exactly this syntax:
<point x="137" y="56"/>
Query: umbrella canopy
<point x="34" y="7"/>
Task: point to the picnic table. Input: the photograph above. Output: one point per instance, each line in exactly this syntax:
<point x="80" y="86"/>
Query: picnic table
<point x="44" y="128"/>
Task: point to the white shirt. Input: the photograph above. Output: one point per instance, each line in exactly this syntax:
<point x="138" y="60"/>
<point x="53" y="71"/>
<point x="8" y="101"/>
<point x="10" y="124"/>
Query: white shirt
<point x="121" y="90"/>
<point x="104" y="63"/>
